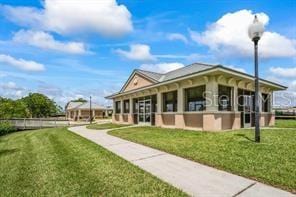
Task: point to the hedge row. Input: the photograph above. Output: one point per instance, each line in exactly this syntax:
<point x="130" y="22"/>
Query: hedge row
<point x="6" y="127"/>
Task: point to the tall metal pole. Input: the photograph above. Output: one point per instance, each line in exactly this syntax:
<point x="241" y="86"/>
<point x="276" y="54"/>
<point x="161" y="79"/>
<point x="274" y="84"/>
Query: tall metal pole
<point x="257" y="112"/>
<point x="90" y="114"/>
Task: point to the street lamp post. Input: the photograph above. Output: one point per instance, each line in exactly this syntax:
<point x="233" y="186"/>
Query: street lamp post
<point x="255" y="31"/>
<point x="90" y="114"/>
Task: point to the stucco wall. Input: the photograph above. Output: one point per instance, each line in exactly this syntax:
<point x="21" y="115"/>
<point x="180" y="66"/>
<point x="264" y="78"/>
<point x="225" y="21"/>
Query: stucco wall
<point x="84" y="112"/>
<point x="168" y="119"/>
<point x="215" y="121"/>
<point x="125" y="118"/>
<point x="267" y="119"/>
<point x="194" y="120"/>
<point x="99" y="113"/>
<point x="116" y="117"/>
<point x="231" y="121"/>
<point x="137" y="82"/>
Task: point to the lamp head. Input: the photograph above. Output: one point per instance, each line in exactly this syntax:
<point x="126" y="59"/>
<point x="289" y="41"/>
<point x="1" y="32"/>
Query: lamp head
<point x="256" y="29"/>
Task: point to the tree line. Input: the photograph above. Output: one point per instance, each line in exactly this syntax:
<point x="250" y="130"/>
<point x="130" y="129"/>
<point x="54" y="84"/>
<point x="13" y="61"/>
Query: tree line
<point x="35" y="105"/>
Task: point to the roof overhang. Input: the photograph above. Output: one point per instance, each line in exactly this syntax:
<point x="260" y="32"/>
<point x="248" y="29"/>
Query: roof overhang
<point x="84" y="108"/>
<point x="218" y="68"/>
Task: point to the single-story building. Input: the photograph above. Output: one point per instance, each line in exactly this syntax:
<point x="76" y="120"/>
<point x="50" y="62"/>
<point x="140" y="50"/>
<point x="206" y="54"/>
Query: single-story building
<point x="285" y="111"/>
<point x="81" y="111"/>
<point x="198" y="96"/>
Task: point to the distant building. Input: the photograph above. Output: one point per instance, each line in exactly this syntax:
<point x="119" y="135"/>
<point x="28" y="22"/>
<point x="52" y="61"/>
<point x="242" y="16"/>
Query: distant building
<point x="286" y="111"/>
<point x="81" y="111"/>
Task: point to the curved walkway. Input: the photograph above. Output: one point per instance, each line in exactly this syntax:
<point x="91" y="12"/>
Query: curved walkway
<point x="193" y="178"/>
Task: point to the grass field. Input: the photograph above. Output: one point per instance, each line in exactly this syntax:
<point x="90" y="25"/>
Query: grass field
<point x="105" y="126"/>
<point x="273" y="161"/>
<point x="285" y="123"/>
<point x="56" y="162"/>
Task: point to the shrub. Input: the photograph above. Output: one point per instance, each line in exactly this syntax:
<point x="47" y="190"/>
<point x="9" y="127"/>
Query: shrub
<point x="6" y="127"/>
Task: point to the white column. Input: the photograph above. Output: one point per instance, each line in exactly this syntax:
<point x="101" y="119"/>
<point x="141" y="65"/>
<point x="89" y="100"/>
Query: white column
<point x="180" y="100"/>
<point x="260" y="101"/>
<point x="131" y="111"/>
<point x="114" y="106"/>
<point x="212" y="94"/>
<point x="270" y="104"/>
<point x="235" y="99"/>
<point x="75" y="114"/>
<point x="121" y="106"/>
<point x="159" y="102"/>
<point x="131" y="106"/>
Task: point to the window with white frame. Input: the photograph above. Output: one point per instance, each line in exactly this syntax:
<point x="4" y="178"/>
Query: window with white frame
<point x="126" y="106"/>
<point x="117" y="107"/>
<point x="194" y="98"/>
<point x="225" y="98"/>
<point x="170" y="101"/>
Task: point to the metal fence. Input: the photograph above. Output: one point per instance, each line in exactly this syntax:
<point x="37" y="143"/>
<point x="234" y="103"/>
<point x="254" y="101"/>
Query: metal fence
<point x="36" y="123"/>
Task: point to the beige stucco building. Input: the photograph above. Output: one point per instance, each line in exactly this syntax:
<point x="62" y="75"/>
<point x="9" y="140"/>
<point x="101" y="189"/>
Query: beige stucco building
<point x="81" y="111"/>
<point x="198" y="96"/>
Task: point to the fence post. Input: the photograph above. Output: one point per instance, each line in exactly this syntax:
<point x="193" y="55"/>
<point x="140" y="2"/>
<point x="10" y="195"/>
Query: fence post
<point x="24" y="123"/>
<point x="55" y="123"/>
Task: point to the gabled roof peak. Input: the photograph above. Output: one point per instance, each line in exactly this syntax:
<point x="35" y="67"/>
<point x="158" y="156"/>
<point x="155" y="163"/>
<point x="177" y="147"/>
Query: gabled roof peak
<point x="159" y="77"/>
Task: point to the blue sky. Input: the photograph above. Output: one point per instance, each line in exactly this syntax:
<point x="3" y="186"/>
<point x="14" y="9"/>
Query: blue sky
<point x="71" y="49"/>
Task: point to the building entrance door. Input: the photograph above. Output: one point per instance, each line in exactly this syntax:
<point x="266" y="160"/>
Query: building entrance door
<point x="144" y="115"/>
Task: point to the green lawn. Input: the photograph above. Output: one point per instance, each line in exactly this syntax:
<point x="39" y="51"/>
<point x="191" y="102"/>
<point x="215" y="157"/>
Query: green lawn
<point x="56" y="162"/>
<point x="273" y="161"/>
<point x="285" y="123"/>
<point x="105" y="126"/>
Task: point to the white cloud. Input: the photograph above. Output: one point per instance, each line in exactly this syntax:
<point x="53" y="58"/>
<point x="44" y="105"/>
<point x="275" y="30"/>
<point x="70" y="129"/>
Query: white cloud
<point x="293" y="86"/>
<point x="228" y="36"/>
<point x="9" y="86"/>
<point x="284" y="72"/>
<point x="105" y="17"/>
<point x="11" y="90"/>
<point x="285" y="76"/>
<point x="46" y="41"/>
<point x="22" y="64"/>
<point x="177" y="36"/>
<point x="162" y="67"/>
<point x="140" y="52"/>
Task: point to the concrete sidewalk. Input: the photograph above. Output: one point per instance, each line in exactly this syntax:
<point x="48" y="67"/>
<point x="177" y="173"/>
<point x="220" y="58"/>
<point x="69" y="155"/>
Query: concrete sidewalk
<point x="191" y="177"/>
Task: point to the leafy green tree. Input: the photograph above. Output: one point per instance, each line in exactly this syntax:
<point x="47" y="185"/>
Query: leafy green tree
<point x="80" y="100"/>
<point x="13" y="109"/>
<point x="41" y="106"/>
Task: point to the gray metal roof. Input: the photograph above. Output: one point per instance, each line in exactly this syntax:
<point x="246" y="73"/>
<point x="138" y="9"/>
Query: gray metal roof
<point x="93" y="106"/>
<point x="83" y="105"/>
<point x="187" y="71"/>
<point x="72" y="105"/>
<point x="153" y="75"/>
<point x="192" y="68"/>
